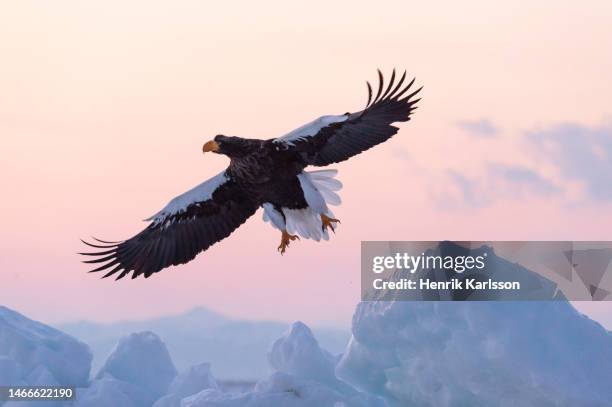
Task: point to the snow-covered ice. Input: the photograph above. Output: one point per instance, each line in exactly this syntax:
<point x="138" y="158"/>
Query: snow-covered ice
<point x="9" y="371"/>
<point x="192" y="381"/>
<point x="298" y="353"/>
<point x="110" y="391"/>
<point x="141" y="359"/>
<point x="479" y="354"/>
<point x="280" y="390"/>
<point x="31" y="352"/>
<point x="443" y="354"/>
<point x="304" y="377"/>
<point x="235" y="348"/>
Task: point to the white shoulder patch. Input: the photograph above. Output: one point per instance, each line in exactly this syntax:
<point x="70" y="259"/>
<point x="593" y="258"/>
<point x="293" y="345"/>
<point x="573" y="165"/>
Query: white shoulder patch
<point x="310" y="129"/>
<point x="199" y="193"/>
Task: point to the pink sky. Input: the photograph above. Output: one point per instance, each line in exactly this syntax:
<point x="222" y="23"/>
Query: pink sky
<point x="104" y="107"/>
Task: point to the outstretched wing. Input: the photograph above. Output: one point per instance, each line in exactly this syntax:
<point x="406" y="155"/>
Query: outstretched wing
<point x="331" y="139"/>
<point x="188" y="225"/>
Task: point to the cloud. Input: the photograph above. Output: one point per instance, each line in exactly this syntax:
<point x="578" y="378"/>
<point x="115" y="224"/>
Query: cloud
<point x="524" y="179"/>
<point x="479" y="128"/>
<point x="581" y="153"/>
<point x="467" y="189"/>
<point x="578" y="155"/>
<point x="500" y="181"/>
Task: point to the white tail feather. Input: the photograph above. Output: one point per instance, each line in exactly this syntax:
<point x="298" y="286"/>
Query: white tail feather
<point x="330" y="197"/>
<point x="319" y="189"/>
<point x="313" y="196"/>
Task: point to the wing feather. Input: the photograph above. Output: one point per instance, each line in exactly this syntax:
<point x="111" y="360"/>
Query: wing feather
<point x="390" y="85"/>
<point x="369" y="94"/>
<point x="188" y="225"/>
<point x="332" y="139"/>
<point x="381" y="82"/>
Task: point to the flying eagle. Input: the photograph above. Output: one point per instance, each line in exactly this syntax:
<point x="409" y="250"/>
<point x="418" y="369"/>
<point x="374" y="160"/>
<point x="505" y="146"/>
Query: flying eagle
<point x="262" y="173"/>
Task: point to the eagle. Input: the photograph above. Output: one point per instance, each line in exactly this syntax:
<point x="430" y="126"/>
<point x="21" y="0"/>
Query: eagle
<point x="270" y="174"/>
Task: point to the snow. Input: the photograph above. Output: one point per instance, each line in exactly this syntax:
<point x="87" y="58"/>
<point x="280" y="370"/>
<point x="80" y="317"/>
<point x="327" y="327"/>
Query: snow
<point x="140" y="373"/>
<point x="423" y="354"/>
<point x="141" y="359"/>
<point x="479" y="353"/>
<point x="304" y="377"/>
<point x="189" y="382"/>
<point x="236" y="349"/>
<point x="9" y="371"/>
<point x="32" y="403"/>
<point x="41" y="376"/>
<point x="298" y="353"/>
<point x="281" y="390"/>
<point x="31" y="352"/>
<point x="109" y="391"/>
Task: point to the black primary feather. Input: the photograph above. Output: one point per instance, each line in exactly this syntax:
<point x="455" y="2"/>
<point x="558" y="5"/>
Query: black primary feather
<point x="178" y="238"/>
<point x="362" y="130"/>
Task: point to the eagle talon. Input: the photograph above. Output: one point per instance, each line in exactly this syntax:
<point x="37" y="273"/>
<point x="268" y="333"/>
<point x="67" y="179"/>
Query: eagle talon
<point x="286" y="238"/>
<point x="327" y="222"/>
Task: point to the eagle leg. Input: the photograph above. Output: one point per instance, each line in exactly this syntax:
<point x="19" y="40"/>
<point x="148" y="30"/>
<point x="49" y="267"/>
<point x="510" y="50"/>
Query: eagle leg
<point x="286" y="238"/>
<point x="327" y="222"/>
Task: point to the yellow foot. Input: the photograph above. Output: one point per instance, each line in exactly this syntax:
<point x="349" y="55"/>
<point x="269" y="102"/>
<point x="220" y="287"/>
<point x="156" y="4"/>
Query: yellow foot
<point x="327" y="222"/>
<point x="286" y="238"/>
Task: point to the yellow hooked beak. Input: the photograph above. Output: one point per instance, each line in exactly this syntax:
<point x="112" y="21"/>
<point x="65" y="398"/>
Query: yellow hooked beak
<point x="210" y="146"/>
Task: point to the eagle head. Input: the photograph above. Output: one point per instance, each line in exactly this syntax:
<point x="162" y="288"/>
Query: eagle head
<point x="229" y="146"/>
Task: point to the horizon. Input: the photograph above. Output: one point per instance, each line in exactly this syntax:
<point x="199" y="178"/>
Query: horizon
<point x="188" y="311"/>
<point x="599" y="313"/>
